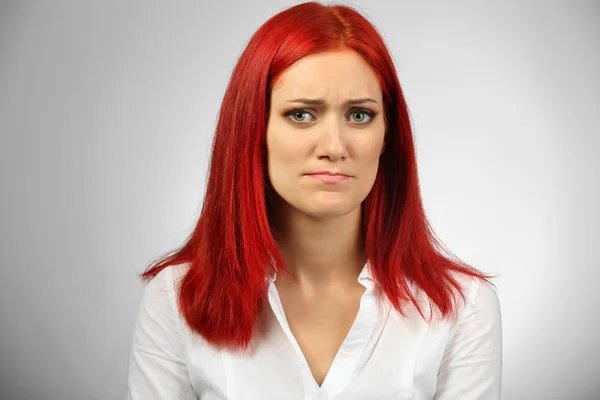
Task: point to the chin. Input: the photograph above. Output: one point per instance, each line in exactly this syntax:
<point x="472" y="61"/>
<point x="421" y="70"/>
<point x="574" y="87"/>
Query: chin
<point x="328" y="210"/>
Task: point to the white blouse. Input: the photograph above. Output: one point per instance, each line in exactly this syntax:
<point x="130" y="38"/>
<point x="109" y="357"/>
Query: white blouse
<point x="385" y="356"/>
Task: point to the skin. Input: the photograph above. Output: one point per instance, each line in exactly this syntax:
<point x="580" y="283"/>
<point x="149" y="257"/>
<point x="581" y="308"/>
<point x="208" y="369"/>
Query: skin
<point x="318" y="224"/>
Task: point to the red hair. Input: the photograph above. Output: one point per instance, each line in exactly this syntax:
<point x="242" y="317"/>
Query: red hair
<point x="232" y="249"/>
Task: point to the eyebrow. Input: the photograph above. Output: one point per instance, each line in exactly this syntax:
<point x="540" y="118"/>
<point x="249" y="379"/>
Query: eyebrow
<point x="321" y="102"/>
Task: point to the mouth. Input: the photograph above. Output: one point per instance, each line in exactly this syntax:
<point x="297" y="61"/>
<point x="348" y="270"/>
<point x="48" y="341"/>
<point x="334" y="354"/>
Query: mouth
<point x="329" y="177"/>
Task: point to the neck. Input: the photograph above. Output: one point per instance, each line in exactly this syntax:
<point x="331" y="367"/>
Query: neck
<point x="320" y="252"/>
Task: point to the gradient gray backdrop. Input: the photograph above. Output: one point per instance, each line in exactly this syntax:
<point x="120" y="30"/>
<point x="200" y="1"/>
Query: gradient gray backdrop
<point x="107" y="112"/>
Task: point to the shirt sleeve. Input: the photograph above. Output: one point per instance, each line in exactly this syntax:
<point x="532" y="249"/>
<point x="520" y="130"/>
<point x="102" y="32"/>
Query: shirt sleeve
<point x="471" y="367"/>
<point x="157" y="367"/>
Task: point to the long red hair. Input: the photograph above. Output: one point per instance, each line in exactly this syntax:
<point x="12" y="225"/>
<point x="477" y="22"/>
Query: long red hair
<point x="232" y="248"/>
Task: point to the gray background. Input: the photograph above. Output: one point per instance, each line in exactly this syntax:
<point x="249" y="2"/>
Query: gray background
<point x="107" y="111"/>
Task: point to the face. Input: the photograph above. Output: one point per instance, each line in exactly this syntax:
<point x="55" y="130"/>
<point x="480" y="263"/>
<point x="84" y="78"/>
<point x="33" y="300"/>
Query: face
<point x="326" y="115"/>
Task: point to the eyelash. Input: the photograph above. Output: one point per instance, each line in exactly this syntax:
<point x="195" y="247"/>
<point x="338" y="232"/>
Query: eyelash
<point x="370" y="113"/>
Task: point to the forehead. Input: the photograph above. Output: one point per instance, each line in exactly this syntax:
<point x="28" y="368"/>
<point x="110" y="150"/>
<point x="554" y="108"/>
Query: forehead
<point x="330" y="75"/>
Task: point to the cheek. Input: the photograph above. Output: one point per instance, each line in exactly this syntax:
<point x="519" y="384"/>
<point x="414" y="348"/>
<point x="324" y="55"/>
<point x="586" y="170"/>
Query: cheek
<point x="367" y="153"/>
<point x="281" y="150"/>
<point x="368" y="142"/>
<point x="284" y="152"/>
<point x="285" y="143"/>
<point x="367" y="148"/>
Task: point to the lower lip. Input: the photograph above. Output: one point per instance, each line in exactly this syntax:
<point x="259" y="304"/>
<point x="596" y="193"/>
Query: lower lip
<point x="330" y="178"/>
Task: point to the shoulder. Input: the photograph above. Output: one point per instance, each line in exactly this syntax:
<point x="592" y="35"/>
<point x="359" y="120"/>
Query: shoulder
<point x="481" y="306"/>
<point x="168" y="277"/>
<point x="477" y="292"/>
<point x="160" y="292"/>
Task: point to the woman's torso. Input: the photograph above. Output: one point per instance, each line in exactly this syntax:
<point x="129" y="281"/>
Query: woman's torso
<point x="363" y="350"/>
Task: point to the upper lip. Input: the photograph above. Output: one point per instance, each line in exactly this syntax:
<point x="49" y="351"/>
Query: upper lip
<point x="327" y="173"/>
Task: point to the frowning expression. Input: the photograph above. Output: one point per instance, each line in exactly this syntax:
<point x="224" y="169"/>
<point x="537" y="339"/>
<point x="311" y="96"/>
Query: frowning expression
<point x="326" y="114"/>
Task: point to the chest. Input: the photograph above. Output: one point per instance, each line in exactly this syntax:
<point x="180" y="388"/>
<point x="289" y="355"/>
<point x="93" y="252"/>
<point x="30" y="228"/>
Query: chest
<point x="387" y="357"/>
<point x="320" y="324"/>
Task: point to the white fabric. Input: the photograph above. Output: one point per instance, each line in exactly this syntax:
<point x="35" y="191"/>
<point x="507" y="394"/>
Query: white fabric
<point x="385" y="355"/>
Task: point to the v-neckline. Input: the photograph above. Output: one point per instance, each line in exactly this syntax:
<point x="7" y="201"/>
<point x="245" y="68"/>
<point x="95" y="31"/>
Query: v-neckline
<point x="347" y="357"/>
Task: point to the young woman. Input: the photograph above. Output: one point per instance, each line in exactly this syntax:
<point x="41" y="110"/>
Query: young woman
<point x="312" y="272"/>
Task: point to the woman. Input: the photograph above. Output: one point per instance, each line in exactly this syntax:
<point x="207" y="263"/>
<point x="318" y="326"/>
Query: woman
<point x="312" y="272"/>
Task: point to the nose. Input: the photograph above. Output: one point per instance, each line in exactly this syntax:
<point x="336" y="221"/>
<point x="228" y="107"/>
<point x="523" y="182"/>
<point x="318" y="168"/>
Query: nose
<point x="332" y="142"/>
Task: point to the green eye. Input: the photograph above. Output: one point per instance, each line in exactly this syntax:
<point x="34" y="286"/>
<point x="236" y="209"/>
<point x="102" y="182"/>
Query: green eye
<point x="358" y="116"/>
<point x="299" y="115"/>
